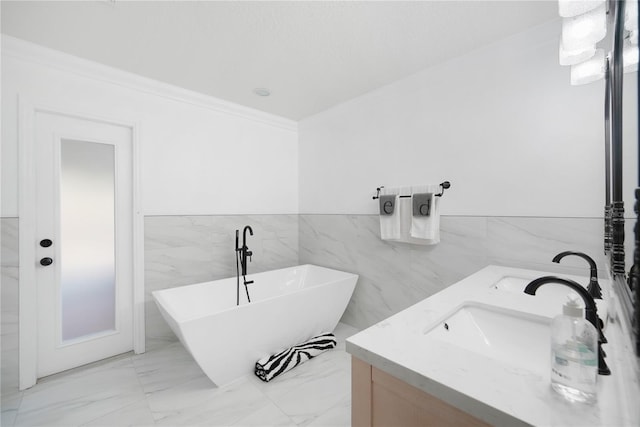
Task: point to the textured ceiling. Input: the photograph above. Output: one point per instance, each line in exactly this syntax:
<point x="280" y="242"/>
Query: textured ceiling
<point x="311" y="55"/>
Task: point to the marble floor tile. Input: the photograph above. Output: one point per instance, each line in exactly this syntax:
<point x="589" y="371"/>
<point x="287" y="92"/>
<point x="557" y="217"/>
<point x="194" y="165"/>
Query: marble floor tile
<point x="10" y="403"/>
<point x="312" y="388"/>
<point x="165" y="386"/>
<point x="269" y="415"/>
<point x="338" y="416"/>
<point x="136" y="414"/>
<point x="79" y="397"/>
<point x="165" y="368"/>
<point x="199" y="402"/>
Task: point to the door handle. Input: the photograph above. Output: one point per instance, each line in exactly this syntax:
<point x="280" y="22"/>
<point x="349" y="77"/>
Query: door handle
<point x="46" y="261"/>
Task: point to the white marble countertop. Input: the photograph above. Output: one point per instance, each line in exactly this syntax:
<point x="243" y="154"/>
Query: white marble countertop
<point x="498" y="392"/>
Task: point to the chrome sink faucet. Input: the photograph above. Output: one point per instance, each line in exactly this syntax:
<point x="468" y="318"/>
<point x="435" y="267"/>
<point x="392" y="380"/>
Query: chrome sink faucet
<point x="594" y="287"/>
<point x="590" y="311"/>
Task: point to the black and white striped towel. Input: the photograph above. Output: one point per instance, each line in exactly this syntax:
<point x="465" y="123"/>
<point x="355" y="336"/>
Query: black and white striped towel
<point x="270" y="367"/>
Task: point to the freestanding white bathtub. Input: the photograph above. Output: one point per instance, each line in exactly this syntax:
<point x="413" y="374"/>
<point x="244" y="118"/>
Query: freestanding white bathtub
<point x="287" y="306"/>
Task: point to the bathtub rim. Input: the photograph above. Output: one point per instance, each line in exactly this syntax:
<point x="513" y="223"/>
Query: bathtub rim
<point x="159" y="298"/>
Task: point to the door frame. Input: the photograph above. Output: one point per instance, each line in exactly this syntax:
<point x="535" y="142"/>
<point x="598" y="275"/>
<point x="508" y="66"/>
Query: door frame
<point x="28" y="325"/>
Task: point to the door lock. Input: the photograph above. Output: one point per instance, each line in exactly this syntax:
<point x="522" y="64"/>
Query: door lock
<point x="45" y="243"/>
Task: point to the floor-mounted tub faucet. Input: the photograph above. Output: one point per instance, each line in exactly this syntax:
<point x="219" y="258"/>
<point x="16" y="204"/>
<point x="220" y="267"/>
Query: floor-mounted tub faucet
<point x="594" y="287"/>
<point x="242" y="252"/>
<point x="590" y="311"/>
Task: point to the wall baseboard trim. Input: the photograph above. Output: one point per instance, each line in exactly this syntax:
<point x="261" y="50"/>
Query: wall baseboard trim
<point x="32" y="52"/>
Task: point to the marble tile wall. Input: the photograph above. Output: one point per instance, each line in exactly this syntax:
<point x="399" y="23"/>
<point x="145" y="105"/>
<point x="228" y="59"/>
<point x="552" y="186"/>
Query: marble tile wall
<point x="9" y="395"/>
<point x="183" y="250"/>
<point x="394" y="276"/>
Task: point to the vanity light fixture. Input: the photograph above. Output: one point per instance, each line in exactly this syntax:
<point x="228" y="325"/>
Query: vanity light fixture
<point x="261" y="91"/>
<point x="584" y="25"/>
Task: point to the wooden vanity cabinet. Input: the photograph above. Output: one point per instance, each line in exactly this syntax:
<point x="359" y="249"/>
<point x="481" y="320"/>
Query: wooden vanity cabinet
<point x="380" y="399"/>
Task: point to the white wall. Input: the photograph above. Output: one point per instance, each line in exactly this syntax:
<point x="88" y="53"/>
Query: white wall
<point x="502" y="123"/>
<point x="200" y="156"/>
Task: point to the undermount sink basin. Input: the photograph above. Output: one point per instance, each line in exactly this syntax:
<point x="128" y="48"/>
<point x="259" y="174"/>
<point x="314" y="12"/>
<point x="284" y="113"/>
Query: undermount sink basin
<point x="513" y="337"/>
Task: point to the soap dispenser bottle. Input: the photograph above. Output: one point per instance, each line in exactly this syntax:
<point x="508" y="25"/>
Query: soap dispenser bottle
<point x="574" y="354"/>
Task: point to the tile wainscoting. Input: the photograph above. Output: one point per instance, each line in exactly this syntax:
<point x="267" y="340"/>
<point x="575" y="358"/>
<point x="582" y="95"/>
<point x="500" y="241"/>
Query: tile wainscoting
<point x="394" y="276"/>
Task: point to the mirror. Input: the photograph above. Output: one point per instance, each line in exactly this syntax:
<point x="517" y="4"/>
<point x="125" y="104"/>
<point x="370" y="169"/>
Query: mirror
<point x="626" y="286"/>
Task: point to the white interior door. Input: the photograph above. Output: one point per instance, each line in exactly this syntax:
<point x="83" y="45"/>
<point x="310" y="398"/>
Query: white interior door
<point x="84" y="247"/>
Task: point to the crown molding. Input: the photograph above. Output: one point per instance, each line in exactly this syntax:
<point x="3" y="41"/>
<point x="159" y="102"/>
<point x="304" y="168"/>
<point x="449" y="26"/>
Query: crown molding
<point x="26" y="51"/>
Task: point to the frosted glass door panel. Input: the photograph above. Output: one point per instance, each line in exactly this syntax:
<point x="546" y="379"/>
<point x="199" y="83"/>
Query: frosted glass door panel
<point x="87" y="238"/>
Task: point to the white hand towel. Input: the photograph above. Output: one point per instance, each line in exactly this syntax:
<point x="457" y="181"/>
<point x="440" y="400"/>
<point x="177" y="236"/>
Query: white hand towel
<point x="390" y="224"/>
<point x="427" y="228"/>
<point x="398" y="229"/>
<point x="404" y="211"/>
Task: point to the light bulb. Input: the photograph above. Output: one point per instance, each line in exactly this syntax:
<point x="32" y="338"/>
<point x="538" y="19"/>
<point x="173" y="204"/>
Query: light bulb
<point x="571" y="57"/>
<point x="571" y="8"/>
<point x="590" y="70"/>
<point x="630" y="57"/>
<point x="585" y="30"/>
